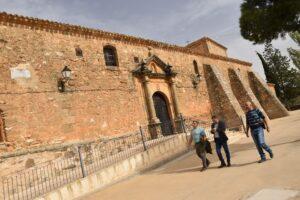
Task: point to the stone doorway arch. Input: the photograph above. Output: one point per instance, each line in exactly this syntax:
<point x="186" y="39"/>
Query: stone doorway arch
<point x="157" y="76"/>
<point x="162" y="110"/>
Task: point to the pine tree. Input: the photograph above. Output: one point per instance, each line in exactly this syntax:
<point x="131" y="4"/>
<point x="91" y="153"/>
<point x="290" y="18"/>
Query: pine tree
<point x="280" y="73"/>
<point x="265" y="20"/>
<point x="295" y="53"/>
<point x="266" y="68"/>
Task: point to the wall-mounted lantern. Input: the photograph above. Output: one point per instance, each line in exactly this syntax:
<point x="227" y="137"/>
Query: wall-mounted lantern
<point x="66" y="76"/>
<point x="66" y="73"/>
<point x="196" y="78"/>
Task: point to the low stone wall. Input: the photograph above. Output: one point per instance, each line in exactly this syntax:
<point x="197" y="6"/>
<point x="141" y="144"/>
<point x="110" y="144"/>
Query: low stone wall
<point x="40" y="156"/>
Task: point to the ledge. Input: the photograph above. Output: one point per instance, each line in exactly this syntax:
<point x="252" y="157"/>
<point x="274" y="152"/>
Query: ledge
<point x="113" y="68"/>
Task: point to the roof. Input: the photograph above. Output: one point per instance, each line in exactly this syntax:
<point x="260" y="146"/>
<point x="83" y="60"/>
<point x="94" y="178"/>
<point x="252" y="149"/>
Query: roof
<point x="205" y="39"/>
<point x="56" y="27"/>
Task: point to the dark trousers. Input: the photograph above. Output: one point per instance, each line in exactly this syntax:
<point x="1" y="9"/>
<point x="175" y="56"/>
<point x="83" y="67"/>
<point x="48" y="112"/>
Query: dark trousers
<point x="202" y="155"/>
<point x="219" y="145"/>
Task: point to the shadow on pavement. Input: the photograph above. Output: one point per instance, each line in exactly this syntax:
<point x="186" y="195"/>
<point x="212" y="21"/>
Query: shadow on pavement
<point x="234" y="149"/>
<point x="197" y="169"/>
<point x="249" y="146"/>
<point x="283" y="143"/>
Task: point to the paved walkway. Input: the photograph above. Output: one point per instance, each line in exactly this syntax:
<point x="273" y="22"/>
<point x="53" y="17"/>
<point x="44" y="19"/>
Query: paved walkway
<point x="246" y="179"/>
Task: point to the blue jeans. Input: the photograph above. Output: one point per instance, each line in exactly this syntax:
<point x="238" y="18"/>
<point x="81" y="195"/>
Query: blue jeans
<point x="219" y="145"/>
<point x="259" y="140"/>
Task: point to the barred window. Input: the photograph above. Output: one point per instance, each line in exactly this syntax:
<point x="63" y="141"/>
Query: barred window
<point x="136" y="59"/>
<point x="110" y="56"/>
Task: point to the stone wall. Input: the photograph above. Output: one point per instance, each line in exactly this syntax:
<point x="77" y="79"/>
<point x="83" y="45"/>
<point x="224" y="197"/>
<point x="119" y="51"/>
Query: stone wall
<point x="272" y="87"/>
<point x="213" y="48"/>
<point x="206" y="45"/>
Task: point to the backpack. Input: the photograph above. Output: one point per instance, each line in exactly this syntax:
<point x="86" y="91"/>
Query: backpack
<point x="262" y="121"/>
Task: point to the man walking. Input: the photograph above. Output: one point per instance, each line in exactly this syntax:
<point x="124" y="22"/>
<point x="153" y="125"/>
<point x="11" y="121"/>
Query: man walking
<point x="256" y="122"/>
<point x="199" y="137"/>
<point x="218" y="128"/>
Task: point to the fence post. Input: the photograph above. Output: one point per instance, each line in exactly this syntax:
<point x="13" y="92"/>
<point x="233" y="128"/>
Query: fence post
<point x="143" y="139"/>
<point x="244" y="128"/>
<point x="182" y="123"/>
<point x="183" y="126"/>
<point x="81" y="161"/>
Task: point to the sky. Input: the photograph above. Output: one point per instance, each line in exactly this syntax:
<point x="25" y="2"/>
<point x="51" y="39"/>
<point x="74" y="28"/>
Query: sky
<point x="172" y="21"/>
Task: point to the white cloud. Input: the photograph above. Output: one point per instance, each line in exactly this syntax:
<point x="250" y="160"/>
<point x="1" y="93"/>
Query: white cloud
<point x="197" y="9"/>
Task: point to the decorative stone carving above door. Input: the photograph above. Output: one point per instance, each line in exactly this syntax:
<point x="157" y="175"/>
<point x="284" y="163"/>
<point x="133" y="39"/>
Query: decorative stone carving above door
<point x="157" y="76"/>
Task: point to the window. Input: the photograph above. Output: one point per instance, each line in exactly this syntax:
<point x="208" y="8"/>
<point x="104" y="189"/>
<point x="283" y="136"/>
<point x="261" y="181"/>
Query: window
<point x="110" y="56"/>
<point x="78" y="52"/>
<point x="136" y="59"/>
<point x="196" y="69"/>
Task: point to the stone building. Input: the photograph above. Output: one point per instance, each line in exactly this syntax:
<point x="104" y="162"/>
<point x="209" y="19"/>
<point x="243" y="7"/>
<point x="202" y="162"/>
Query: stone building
<point x="117" y="83"/>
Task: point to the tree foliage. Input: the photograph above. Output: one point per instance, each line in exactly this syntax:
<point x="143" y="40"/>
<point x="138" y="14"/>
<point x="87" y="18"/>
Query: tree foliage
<point x="279" y="72"/>
<point x="264" y="20"/>
<point x="295" y="53"/>
<point x="296" y="37"/>
<point x="266" y="67"/>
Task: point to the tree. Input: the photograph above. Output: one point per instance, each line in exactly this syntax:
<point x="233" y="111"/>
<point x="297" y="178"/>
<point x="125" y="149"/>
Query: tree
<point x="266" y="68"/>
<point x="296" y="37"/>
<point x="295" y="53"/>
<point x="264" y="20"/>
<point x="280" y="73"/>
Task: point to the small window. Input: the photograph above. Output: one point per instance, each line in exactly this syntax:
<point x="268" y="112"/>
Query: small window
<point x="78" y="52"/>
<point x="136" y="59"/>
<point x="110" y="56"/>
<point x="196" y="69"/>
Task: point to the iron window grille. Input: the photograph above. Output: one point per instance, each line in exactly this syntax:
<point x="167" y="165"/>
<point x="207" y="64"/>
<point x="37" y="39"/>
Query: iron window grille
<point x="110" y="56"/>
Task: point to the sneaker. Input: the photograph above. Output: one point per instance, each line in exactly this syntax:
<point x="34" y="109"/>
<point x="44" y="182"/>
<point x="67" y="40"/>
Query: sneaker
<point x="203" y="169"/>
<point x="228" y="164"/>
<point x="222" y="165"/>
<point x="262" y="160"/>
<point x="271" y="155"/>
<point x="208" y="163"/>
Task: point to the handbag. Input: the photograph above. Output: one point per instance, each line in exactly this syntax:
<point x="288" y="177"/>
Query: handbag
<point x="208" y="148"/>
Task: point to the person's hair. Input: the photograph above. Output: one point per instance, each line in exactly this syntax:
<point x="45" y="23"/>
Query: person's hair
<point x="214" y="117"/>
<point x="195" y="122"/>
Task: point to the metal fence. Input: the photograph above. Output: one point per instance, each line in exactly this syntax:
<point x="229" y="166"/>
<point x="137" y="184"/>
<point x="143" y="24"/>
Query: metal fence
<point x="84" y="160"/>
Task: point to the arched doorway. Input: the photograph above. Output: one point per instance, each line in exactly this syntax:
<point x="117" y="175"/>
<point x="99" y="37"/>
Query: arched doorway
<point x="162" y="113"/>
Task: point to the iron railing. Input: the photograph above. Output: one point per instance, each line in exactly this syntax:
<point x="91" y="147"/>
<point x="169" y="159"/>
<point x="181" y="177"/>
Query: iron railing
<point x="83" y="160"/>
